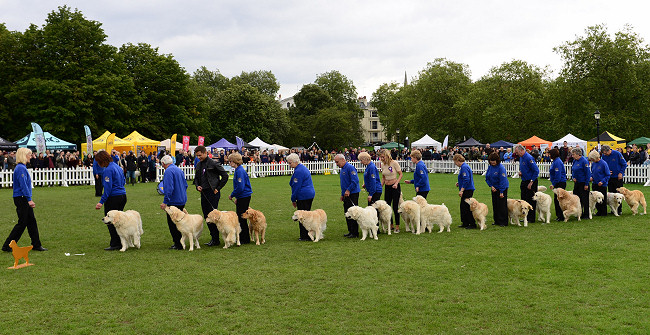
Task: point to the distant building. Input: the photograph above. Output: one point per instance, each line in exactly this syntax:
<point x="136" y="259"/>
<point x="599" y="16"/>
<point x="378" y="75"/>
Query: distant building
<point x="373" y="131"/>
<point x="286" y="102"/>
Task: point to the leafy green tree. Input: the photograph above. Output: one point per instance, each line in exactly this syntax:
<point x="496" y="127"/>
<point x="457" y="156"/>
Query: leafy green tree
<point x="264" y="81"/>
<point x="387" y="99"/>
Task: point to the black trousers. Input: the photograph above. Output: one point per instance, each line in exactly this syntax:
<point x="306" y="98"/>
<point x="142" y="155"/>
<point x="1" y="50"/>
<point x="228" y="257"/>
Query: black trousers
<point x="26" y="219"/>
<point x="391" y="196"/>
<point x="210" y="202"/>
<point x="176" y="235"/>
<point x="466" y="216"/>
<point x="601" y="208"/>
<point x="99" y="187"/>
<point x="500" y="208"/>
<point x="375" y="197"/>
<point x="143" y="174"/>
<point x="424" y="194"/>
<point x="612" y="185"/>
<point x="527" y="196"/>
<point x="242" y="206"/>
<point x="579" y="190"/>
<point x="116" y="202"/>
<point x="349" y="201"/>
<point x="304" y="205"/>
<point x="558" y="210"/>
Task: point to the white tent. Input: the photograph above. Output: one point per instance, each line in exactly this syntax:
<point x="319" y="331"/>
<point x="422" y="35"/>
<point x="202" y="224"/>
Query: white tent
<point x="425" y="142"/>
<point x="277" y="148"/>
<point x="166" y="143"/>
<point x="571" y="140"/>
<point x="259" y="143"/>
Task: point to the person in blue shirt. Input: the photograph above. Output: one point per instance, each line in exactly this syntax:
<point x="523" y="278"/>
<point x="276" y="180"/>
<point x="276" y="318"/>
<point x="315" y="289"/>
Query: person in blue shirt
<point x="242" y="192"/>
<point x="420" y="176"/>
<point x="507" y="156"/>
<point x="302" y="190"/>
<point x="114" y="197"/>
<point x="496" y="178"/>
<point x="175" y="194"/>
<point x="581" y="175"/>
<point x="24" y="204"/>
<point x="152" y="170"/>
<point x="97" y="173"/>
<point x="528" y="171"/>
<point x="349" y="192"/>
<point x="557" y="173"/>
<point x="465" y="186"/>
<point x="617" y="166"/>
<point x="599" y="178"/>
<point x="371" y="179"/>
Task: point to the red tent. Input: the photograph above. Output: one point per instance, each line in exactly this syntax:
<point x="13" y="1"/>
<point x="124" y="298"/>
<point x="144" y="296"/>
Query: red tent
<point x="536" y="141"/>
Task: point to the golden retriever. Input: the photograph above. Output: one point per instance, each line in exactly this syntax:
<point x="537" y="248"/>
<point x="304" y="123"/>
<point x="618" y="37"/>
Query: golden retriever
<point x="20" y="252"/>
<point x="595" y="197"/>
<point x="518" y="209"/>
<point x="432" y="214"/>
<point x="615" y="200"/>
<point x="634" y="198"/>
<point x="314" y="221"/>
<point x="384" y="213"/>
<point x="228" y="225"/>
<point x="479" y="211"/>
<point x="410" y="211"/>
<point x="569" y="203"/>
<point x="128" y="226"/>
<point x="543" y="208"/>
<point x="189" y="225"/>
<point x="367" y="219"/>
<point x="257" y="224"/>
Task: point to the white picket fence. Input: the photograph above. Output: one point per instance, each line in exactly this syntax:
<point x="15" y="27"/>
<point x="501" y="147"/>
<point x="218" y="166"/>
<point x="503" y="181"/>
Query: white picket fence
<point x="637" y="174"/>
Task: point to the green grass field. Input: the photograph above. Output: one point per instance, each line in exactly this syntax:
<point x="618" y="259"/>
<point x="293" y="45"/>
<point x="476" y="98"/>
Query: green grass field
<point x="576" y="277"/>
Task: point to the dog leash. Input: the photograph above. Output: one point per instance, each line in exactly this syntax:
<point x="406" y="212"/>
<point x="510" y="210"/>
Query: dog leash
<point x="206" y="198"/>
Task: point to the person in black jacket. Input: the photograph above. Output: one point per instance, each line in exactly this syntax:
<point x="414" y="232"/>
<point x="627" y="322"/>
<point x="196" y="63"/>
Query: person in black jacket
<point x="210" y="177"/>
<point x="131" y="166"/>
<point x="143" y="165"/>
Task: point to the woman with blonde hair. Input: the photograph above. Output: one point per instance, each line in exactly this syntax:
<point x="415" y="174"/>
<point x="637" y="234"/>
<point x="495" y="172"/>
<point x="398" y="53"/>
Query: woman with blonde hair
<point x="242" y="192"/>
<point x="24" y="203"/>
<point x="391" y="174"/>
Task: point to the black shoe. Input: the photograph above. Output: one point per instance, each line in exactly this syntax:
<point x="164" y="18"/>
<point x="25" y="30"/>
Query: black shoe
<point x="558" y="219"/>
<point x="496" y="224"/>
<point x="471" y="227"/>
<point x="304" y="239"/>
<point x="353" y="236"/>
<point x="39" y="248"/>
<point x="347" y="235"/>
<point x="462" y="226"/>
<point x="176" y="247"/>
<point x="212" y="243"/>
<point x="112" y="248"/>
<point x="6" y="249"/>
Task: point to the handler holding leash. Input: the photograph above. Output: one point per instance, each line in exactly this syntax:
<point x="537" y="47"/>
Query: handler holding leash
<point x="529" y="172"/>
<point x="210" y="177"/>
<point x="175" y="188"/>
<point x="302" y="190"/>
<point x="242" y="192"/>
<point x="349" y="192"/>
<point x="114" y="197"/>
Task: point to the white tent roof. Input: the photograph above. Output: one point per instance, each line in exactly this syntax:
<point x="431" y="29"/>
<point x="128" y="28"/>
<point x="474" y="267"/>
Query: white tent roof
<point x="277" y="147"/>
<point x="259" y="143"/>
<point x="571" y="140"/>
<point x="426" y="141"/>
<point x="166" y="143"/>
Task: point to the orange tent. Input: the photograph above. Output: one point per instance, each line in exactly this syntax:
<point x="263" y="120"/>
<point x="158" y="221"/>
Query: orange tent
<point x="538" y="142"/>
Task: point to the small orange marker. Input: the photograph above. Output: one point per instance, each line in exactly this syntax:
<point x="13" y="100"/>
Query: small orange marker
<point x="18" y="253"/>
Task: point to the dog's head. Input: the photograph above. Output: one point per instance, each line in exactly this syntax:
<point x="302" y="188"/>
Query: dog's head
<point x="13" y="244"/>
<point x="473" y="203"/>
<point x="112" y="217"/>
<point x="420" y="200"/>
<point x="175" y="214"/>
<point x="353" y="212"/>
<point x="214" y="216"/>
<point x="599" y="197"/>
<point x="560" y="192"/>
<point x="297" y="215"/>
<point x="380" y="205"/>
<point x="249" y="214"/>
<point x="622" y="190"/>
<point x="538" y="196"/>
<point x="618" y="198"/>
<point x="525" y="206"/>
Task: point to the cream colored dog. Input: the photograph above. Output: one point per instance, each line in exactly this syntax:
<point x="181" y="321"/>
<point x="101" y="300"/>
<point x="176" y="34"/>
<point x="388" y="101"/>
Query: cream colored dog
<point x="128" y="226"/>
<point x="634" y="198"/>
<point x="314" y="221"/>
<point x="257" y="224"/>
<point x="367" y="219"/>
<point x="189" y="225"/>
<point x="614" y="200"/>
<point x="518" y="209"/>
<point x="384" y="213"/>
<point x="410" y="211"/>
<point x="432" y="214"/>
<point x="479" y="211"/>
<point x="569" y="203"/>
<point x="228" y="225"/>
<point x="595" y="197"/>
<point x="543" y="206"/>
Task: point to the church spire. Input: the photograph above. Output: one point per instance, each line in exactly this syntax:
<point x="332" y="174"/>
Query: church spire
<point x="405" y="80"/>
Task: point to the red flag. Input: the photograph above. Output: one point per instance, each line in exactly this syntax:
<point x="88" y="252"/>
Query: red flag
<point x="201" y="140"/>
<point x="186" y="143"/>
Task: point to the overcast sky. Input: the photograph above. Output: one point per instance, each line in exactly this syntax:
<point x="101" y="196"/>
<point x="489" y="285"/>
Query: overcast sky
<point x="370" y="42"/>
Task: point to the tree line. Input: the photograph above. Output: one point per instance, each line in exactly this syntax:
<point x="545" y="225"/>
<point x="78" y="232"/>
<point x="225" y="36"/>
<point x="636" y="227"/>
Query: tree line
<point x="64" y="75"/>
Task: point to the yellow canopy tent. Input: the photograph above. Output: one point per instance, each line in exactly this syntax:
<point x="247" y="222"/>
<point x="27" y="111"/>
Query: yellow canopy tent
<point x="613" y="141"/>
<point x="142" y="143"/>
<point x="100" y="143"/>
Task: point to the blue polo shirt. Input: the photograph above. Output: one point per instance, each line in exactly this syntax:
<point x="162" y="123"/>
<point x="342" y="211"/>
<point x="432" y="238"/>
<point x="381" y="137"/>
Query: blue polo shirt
<point x="113" y="180"/>
<point x="580" y="170"/>
<point x="600" y="172"/>
<point x="301" y="184"/>
<point x="528" y="167"/>
<point x="616" y="163"/>
<point x="465" y="178"/>
<point x="557" y="172"/>
<point x="22" y="182"/>
<point x="371" y="179"/>
<point x="349" y="179"/>
<point x="241" y="184"/>
<point x="174" y="186"/>
<point x="421" y="177"/>
<point x="97" y="169"/>
<point x="498" y="177"/>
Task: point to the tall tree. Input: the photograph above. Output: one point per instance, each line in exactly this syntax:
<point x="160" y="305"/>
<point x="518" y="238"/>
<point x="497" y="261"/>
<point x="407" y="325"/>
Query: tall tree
<point x="264" y="81"/>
